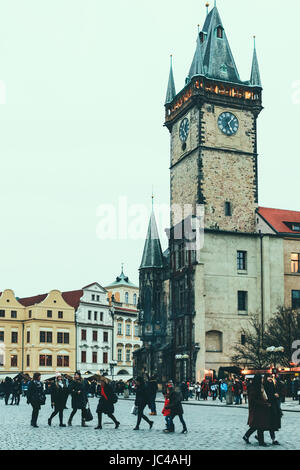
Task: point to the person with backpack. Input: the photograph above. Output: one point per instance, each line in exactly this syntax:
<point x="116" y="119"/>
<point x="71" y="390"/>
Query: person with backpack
<point x="141" y="400"/>
<point x="106" y="403"/>
<point x="176" y="409"/>
<point x="223" y="390"/>
<point x="35" y="397"/>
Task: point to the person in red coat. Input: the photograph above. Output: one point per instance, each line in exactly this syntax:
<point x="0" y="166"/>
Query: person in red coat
<point x="259" y="411"/>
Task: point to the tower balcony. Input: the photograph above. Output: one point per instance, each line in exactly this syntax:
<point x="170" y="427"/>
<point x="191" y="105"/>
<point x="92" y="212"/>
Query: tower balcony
<point x="202" y="89"/>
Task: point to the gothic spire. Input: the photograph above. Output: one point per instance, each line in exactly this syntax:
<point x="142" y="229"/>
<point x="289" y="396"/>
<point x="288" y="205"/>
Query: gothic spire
<point x="217" y="58"/>
<point x="197" y="64"/>
<point x="152" y="255"/>
<point x="255" y="75"/>
<point x="171" y="91"/>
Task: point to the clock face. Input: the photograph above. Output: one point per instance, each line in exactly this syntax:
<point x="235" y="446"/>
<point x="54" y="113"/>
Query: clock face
<point x="228" y="123"/>
<point x="184" y="129"/>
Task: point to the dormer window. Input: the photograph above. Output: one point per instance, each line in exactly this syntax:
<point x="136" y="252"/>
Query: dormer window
<point x="296" y="227"/>
<point x="202" y="36"/>
<point x="220" y="32"/>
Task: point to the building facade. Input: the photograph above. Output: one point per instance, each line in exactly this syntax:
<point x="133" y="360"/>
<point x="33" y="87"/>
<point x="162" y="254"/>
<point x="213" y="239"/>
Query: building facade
<point x="243" y="267"/>
<point x="123" y="297"/>
<point x="37" y="334"/>
<point x="94" y="328"/>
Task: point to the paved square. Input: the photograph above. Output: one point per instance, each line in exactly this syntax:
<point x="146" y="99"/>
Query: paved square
<point x="209" y="428"/>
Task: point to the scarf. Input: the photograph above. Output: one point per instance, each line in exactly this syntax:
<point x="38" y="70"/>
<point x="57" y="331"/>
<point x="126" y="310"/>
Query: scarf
<point x="103" y="393"/>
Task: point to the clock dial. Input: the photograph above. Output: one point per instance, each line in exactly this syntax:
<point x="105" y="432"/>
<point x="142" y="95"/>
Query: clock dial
<point x="228" y="123"/>
<point x="184" y="129"/>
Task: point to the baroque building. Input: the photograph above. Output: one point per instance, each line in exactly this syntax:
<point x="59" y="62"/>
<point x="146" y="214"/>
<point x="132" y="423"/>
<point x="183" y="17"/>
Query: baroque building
<point x="194" y="303"/>
<point x="123" y="299"/>
<point x="37" y="334"/>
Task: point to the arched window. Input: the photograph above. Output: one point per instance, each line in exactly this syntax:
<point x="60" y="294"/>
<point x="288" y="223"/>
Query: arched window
<point x="214" y="341"/>
<point x="134" y="299"/>
<point x="126" y="297"/>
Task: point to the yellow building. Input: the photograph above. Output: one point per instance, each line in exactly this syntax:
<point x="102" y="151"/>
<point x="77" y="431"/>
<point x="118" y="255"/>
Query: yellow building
<point x="12" y="315"/>
<point x="38" y="334"/>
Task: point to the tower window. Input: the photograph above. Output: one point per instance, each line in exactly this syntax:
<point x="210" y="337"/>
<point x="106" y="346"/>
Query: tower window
<point x="202" y="36"/>
<point x="243" y="340"/>
<point x="228" y="209"/>
<point x="220" y="32"/>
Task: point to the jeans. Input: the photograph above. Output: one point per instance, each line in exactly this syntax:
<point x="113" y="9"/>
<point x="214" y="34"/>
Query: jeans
<point x="152" y="405"/>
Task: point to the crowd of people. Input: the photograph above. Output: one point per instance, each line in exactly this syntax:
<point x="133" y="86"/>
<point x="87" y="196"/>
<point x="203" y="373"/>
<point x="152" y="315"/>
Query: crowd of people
<point x="264" y="396"/>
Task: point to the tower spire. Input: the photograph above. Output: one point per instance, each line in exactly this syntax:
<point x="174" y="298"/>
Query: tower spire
<point x="171" y="91"/>
<point x="255" y="74"/>
<point x="197" y="64"/>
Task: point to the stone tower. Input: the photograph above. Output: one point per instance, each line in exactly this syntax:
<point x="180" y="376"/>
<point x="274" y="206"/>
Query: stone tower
<point x="212" y="123"/>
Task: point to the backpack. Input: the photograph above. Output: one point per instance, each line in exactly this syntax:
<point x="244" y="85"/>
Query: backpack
<point x="114" y="398"/>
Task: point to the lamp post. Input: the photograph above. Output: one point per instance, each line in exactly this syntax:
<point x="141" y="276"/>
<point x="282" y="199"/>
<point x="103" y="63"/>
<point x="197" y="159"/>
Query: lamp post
<point x="112" y="364"/>
<point x="273" y="350"/>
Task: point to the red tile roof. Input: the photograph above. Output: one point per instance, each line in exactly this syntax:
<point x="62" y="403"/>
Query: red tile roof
<point x="72" y="298"/>
<point x="28" y="301"/>
<point x="277" y="218"/>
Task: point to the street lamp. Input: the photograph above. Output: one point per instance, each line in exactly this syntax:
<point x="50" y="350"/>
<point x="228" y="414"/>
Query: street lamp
<point x="273" y="350"/>
<point x="112" y="364"/>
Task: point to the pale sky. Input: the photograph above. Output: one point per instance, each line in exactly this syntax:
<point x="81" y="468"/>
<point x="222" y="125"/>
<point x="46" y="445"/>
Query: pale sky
<point x="83" y="123"/>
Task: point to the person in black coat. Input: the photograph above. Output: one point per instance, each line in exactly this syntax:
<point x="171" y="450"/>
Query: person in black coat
<point x="141" y="400"/>
<point x="78" y="390"/>
<point x="259" y="411"/>
<point x="271" y="389"/>
<point x="59" y="395"/>
<point x="16" y="392"/>
<point x="176" y="409"/>
<point x="7" y="388"/>
<point x="35" y="397"/>
<point x="106" y="403"/>
<point x="152" y="390"/>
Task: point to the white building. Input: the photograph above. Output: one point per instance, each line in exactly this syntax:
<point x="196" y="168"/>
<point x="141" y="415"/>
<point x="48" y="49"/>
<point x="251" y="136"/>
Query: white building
<point x="123" y="297"/>
<point x="94" y="329"/>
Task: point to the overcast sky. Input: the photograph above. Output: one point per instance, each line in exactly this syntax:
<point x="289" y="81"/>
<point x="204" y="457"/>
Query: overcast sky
<point x="83" y="123"/>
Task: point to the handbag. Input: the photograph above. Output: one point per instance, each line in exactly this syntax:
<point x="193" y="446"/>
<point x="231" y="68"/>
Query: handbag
<point x="134" y="410"/>
<point x="87" y="414"/>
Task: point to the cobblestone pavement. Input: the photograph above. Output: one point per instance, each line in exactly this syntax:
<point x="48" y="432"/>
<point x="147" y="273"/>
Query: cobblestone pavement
<point x="214" y="427"/>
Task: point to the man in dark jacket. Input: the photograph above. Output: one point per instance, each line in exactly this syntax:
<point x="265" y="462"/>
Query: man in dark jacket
<point x="35" y="397"/>
<point x="7" y="389"/>
<point x="176" y="409"/>
<point x="141" y="400"/>
<point x="152" y="390"/>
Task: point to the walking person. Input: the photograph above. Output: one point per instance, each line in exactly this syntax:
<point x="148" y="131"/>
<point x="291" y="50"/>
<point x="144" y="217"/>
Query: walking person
<point x="223" y="390"/>
<point x="176" y="409"/>
<point x="35" y="397"/>
<point x="198" y="391"/>
<point x="166" y="411"/>
<point x="152" y="390"/>
<point x="259" y="411"/>
<point x="271" y="389"/>
<point x="141" y="400"/>
<point x="78" y="390"/>
<point x="106" y="403"/>
<point x="16" y="392"/>
<point x="59" y="395"/>
<point x="229" y="394"/>
<point x="7" y="389"/>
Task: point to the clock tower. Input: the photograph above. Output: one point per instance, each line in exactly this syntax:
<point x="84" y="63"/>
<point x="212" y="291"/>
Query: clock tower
<point x="213" y="128"/>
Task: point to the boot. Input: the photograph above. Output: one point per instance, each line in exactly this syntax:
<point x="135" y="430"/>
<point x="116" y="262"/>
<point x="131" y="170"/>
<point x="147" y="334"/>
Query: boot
<point x="69" y="422"/>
